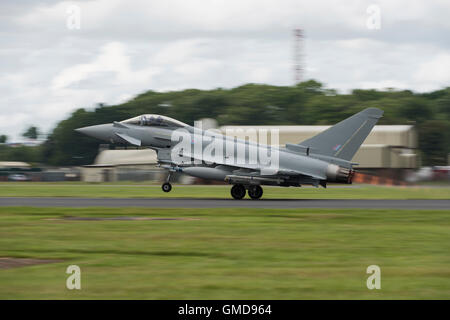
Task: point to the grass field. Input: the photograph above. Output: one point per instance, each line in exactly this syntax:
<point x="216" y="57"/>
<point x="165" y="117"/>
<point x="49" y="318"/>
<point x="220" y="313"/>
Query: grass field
<point x="217" y="191"/>
<point x="226" y="253"/>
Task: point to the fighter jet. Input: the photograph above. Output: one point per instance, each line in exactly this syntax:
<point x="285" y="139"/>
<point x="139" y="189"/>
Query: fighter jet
<point x="244" y="164"/>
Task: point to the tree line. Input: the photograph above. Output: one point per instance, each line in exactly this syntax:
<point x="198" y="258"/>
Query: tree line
<point x="307" y="103"/>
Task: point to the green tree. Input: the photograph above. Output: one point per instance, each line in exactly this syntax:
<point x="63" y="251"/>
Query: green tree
<point x="415" y="109"/>
<point x="306" y="103"/>
<point x="21" y="153"/>
<point x="31" y="133"/>
<point x="3" y="138"/>
<point x="434" y="142"/>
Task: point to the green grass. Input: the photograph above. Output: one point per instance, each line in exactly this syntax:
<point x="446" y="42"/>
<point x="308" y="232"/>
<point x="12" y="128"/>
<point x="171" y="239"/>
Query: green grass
<point x="217" y="191"/>
<point x="227" y="253"/>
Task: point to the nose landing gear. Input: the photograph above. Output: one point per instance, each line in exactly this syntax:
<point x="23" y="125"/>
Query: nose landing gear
<point x="166" y="186"/>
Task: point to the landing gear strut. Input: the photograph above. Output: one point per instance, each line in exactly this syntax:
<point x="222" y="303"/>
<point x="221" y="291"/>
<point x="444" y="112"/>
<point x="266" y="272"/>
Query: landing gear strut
<point x="255" y="191"/>
<point x="166" y="187"/>
<point x="238" y="191"/>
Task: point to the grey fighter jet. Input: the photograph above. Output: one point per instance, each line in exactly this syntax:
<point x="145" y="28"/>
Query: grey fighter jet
<point x="246" y="165"/>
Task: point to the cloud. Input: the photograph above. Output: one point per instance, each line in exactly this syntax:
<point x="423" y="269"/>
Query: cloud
<point x="112" y="59"/>
<point x="126" y="47"/>
<point x="434" y="72"/>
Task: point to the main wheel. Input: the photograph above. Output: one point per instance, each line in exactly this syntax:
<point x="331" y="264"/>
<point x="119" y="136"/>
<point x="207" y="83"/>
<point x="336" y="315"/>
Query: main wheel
<point x="255" y="192"/>
<point x="238" y="191"/>
<point x="166" y="187"/>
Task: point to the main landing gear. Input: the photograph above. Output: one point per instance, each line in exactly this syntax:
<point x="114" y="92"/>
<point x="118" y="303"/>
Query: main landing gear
<point x="254" y="191"/>
<point x="166" y="186"/>
<point x="238" y="191"/>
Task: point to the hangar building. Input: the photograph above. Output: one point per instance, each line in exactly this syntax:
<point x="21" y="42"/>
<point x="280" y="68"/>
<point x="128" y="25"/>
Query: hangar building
<point x="388" y="150"/>
<point x="386" y="147"/>
<point x="122" y="165"/>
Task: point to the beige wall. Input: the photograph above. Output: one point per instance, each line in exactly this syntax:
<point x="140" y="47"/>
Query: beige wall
<point x="97" y="174"/>
<point x="384" y="156"/>
<point x="125" y="157"/>
<point x="373" y="156"/>
<point x="395" y="135"/>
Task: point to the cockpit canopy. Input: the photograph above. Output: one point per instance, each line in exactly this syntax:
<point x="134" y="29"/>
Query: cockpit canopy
<point x="154" y="120"/>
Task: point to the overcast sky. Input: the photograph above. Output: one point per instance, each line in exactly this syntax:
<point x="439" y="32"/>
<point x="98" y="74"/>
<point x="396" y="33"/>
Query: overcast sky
<point x="49" y="67"/>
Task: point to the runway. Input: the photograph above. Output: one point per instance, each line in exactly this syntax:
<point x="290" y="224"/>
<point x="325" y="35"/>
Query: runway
<point x="224" y="203"/>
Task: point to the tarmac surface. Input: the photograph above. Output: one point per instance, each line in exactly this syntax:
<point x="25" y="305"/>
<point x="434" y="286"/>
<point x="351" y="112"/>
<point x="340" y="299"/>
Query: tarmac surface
<point x="224" y="203"/>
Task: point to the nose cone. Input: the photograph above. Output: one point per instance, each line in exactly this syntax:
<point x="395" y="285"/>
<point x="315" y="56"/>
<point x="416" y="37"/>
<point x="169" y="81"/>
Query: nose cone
<point x="101" y="131"/>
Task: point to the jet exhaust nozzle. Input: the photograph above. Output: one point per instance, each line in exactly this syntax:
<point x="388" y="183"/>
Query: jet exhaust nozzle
<point x="339" y="174"/>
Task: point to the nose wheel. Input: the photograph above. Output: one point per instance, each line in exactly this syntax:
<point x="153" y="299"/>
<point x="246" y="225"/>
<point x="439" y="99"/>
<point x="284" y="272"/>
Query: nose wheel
<point x="166" y="187"/>
<point x="255" y="192"/>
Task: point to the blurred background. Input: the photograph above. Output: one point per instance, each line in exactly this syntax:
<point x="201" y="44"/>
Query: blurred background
<point x="296" y="66"/>
<point x="293" y="65"/>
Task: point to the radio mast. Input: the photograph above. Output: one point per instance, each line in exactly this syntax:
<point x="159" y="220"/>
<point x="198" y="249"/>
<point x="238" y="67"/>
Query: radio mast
<point x="298" y="68"/>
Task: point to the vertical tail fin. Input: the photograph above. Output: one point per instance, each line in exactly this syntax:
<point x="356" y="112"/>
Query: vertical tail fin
<point x="344" y="138"/>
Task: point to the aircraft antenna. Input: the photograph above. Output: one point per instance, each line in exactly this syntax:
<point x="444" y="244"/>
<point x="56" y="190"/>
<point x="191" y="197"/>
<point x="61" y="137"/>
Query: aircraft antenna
<point x="298" y="68"/>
